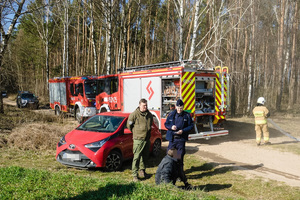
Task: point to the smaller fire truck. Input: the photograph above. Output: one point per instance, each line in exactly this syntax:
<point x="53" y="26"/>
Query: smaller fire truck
<point x="74" y="95"/>
<point x="203" y="91"/>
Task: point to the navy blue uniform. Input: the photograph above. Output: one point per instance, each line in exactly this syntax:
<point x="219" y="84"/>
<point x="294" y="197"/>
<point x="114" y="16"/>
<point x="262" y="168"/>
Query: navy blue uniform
<point x="182" y="121"/>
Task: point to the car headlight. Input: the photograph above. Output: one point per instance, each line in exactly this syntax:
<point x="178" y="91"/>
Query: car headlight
<point x="24" y="101"/>
<point x="96" y="145"/>
<point x="62" y="141"/>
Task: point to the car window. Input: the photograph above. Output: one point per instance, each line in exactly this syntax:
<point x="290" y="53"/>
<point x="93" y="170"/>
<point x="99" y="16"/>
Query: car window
<point x="102" y="123"/>
<point x="27" y="96"/>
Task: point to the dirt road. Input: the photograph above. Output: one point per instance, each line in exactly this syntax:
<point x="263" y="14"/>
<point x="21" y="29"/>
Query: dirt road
<point x="238" y="151"/>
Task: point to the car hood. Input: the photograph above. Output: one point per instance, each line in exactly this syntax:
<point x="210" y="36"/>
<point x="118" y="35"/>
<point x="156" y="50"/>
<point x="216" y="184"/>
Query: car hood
<point x="85" y="137"/>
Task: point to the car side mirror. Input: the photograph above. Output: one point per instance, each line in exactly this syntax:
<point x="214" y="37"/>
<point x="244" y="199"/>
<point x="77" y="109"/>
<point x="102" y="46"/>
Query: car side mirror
<point x="127" y="131"/>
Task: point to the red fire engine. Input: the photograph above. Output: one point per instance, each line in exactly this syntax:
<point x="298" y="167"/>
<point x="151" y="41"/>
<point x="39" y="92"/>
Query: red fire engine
<point x="203" y="91"/>
<point x="74" y="95"/>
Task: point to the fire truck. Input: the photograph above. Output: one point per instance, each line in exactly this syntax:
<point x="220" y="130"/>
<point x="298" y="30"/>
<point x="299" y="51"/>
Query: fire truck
<point x="203" y="91"/>
<point x="74" y="95"/>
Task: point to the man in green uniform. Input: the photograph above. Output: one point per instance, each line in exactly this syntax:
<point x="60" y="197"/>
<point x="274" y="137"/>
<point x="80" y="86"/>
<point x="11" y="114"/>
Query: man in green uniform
<point x="139" y="123"/>
<point x="261" y="113"/>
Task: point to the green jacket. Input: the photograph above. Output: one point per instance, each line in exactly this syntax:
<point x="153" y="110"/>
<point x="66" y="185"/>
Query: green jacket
<point x="139" y="123"/>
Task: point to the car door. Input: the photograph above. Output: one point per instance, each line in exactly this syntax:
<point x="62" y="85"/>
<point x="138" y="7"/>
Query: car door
<point x="126" y="142"/>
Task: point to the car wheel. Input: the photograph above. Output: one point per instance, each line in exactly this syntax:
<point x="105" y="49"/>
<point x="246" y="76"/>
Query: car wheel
<point x="156" y="148"/>
<point x="57" y="111"/>
<point x="113" y="161"/>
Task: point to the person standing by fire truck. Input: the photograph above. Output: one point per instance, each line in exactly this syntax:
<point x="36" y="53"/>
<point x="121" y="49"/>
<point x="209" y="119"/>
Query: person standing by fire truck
<point x="261" y="113"/>
<point x="139" y="123"/>
<point x="179" y="123"/>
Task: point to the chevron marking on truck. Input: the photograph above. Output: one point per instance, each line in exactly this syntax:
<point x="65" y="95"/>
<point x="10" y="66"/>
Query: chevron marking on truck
<point x="188" y="91"/>
<point x="218" y="97"/>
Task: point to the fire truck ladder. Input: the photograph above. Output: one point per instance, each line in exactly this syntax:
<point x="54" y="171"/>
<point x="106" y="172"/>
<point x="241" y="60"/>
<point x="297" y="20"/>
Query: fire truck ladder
<point x="162" y="65"/>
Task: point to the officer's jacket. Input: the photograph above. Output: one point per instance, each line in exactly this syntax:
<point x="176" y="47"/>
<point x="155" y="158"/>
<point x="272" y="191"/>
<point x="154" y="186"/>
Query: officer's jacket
<point x="261" y="113"/>
<point x="167" y="170"/>
<point x="139" y="123"/>
<point x="182" y="121"/>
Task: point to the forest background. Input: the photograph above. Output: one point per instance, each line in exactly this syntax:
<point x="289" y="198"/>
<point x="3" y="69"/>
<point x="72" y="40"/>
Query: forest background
<point x="256" y="40"/>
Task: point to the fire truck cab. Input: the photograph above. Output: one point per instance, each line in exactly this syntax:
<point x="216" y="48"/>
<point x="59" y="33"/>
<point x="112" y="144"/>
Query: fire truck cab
<point x="74" y="95"/>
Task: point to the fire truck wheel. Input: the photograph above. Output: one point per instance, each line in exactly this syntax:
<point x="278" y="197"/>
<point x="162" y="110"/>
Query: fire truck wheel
<point x="77" y="115"/>
<point x="156" y="148"/>
<point x="103" y="110"/>
<point x="57" y="111"/>
<point x="114" y="161"/>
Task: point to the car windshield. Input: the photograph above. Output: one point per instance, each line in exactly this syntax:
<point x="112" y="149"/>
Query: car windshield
<point x="27" y="96"/>
<point x="90" y="88"/>
<point x="102" y="123"/>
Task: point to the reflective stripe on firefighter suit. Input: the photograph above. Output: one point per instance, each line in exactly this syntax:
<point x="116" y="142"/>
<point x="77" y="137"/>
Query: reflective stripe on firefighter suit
<point x="261" y="113"/>
<point x="184" y="122"/>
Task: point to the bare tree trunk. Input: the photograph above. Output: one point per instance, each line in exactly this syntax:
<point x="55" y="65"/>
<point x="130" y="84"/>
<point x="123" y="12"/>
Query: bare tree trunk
<point x="147" y="34"/>
<point x="77" y="47"/>
<point x="65" y="70"/>
<point x="168" y="25"/>
<point x="108" y="36"/>
<point x="47" y="44"/>
<point x="124" y="59"/>
<point x="128" y="33"/>
<point x="99" y="51"/>
<point x="292" y="84"/>
<point x="280" y="55"/>
<point x="153" y="54"/>
<point x="93" y="38"/>
<point x="250" y="83"/>
<point x="181" y="30"/>
<point x="84" y="39"/>
<point x="197" y="7"/>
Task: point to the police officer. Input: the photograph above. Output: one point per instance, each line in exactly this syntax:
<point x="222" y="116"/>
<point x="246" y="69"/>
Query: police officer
<point x="179" y="123"/>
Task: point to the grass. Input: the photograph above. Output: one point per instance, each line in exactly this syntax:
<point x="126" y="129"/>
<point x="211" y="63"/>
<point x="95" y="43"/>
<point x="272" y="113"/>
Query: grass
<point x="35" y="174"/>
<point x="21" y="183"/>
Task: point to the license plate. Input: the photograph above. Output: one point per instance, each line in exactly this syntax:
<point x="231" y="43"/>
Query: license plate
<point x="71" y="156"/>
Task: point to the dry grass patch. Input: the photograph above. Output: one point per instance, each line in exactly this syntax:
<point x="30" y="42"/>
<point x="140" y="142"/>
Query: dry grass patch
<point x="37" y="136"/>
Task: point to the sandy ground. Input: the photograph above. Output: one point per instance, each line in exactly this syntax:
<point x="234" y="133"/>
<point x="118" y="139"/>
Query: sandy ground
<point x="238" y="150"/>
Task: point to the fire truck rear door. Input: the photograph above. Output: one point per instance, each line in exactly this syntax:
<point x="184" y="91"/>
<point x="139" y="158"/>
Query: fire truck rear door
<point x="137" y="88"/>
<point x="151" y="91"/>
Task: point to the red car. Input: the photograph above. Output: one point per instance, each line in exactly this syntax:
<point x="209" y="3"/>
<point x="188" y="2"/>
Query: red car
<point x="102" y="141"/>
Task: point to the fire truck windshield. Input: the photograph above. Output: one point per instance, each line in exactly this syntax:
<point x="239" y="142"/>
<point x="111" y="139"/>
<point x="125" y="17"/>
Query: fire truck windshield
<point x="90" y="87"/>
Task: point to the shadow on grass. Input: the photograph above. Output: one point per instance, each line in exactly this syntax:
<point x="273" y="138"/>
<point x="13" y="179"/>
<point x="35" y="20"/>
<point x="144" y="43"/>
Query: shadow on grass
<point x="211" y="169"/>
<point x="207" y="187"/>
<point x="108" y="191"/>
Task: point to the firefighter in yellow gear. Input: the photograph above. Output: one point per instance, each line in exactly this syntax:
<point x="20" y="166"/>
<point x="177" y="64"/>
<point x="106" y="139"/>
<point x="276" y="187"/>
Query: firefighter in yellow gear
<point x="261" y="113"/>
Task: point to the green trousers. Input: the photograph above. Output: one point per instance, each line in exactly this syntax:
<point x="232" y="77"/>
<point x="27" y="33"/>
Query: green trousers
<point x="141" y="152"/>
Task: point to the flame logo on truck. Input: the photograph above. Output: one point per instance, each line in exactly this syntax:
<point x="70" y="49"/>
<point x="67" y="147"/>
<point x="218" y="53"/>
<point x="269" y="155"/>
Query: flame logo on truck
<point x="150" y="90"/>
